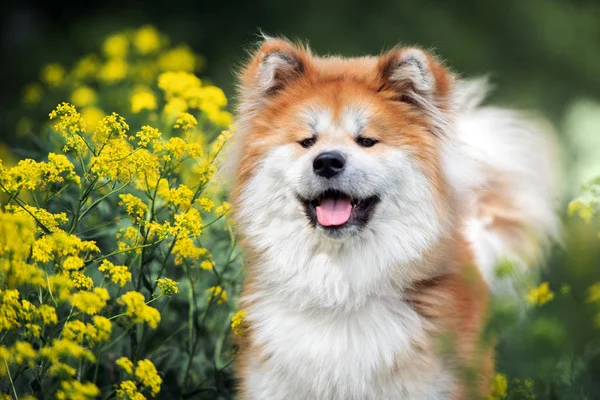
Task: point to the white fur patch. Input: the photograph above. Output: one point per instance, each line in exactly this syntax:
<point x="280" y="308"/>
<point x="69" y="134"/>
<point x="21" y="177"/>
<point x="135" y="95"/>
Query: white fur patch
<point x="338" y="300"/>
<point x="502" y="144"/>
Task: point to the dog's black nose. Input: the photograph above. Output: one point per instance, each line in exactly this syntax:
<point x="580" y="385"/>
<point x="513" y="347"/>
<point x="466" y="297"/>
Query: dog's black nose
<point x="329" y="164"/>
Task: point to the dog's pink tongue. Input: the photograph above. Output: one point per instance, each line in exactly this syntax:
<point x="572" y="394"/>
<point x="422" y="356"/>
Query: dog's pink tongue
<point x="334" y="212"/>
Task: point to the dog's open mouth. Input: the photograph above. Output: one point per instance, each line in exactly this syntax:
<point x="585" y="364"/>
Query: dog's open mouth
<point x="333" y="210"/>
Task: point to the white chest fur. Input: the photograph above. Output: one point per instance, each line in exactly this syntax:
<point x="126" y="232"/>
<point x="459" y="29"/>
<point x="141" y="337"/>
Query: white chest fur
<point x="375" y="352"/>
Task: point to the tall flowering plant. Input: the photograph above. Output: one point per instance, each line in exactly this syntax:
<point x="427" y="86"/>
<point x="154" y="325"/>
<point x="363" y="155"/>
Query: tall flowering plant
<point x="117" y="258"/>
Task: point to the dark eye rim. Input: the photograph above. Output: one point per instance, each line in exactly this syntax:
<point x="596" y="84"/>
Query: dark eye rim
<point x="366" y="141"/>
<point x="308" y="142"/>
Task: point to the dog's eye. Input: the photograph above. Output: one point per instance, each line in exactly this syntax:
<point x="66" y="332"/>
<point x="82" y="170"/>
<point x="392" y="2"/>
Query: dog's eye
<point x="366" y="142"/>
<point x="306" y="143"/>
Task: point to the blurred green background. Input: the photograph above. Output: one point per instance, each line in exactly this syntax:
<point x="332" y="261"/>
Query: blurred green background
<point x="541" y="55"/>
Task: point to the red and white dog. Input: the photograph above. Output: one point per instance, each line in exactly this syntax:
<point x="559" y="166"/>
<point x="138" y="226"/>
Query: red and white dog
<point x="375" y="197"/>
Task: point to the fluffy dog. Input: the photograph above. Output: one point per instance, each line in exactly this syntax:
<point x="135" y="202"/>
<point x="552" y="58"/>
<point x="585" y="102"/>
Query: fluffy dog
<point x="375" y="197"/>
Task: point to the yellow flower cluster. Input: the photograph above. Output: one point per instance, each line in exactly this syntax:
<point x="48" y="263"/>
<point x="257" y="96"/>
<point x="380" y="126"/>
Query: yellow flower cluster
<point x="218" y="294"/>
<point x="16" y="312"/>
<point x="185" y="249"/>
<point x="138" y="311"/>
<point x="134" y="206"/>
<point x="97" y="332"/>
<point x="585" y="209"/>
<point x="144" y="375"/>
<point x="118" y="274"/>
<point x="73" y="389"/>
<point x="540" y="295"/>
<point x="90" y="302"/>
<point x="167" y="286"/>
<point x="499" y="387"/>
<point x="53" y="74"/>
<point x="60" y="352"/>
<point x="31" y="175"/>
<point x="237" y="322"/>
<point x="143" y="100"/>
<point x="92" y="230"/>
<point x="184" y="90"/>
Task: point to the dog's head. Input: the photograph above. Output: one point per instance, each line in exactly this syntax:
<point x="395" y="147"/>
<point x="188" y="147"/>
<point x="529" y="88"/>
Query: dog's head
<point x="343" y="157"/>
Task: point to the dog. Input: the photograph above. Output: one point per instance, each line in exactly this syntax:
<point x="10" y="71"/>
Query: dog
<point x="374" y="198"/>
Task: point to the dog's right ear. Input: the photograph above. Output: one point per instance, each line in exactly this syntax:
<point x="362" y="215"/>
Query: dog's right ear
<point x="274" y="66"/>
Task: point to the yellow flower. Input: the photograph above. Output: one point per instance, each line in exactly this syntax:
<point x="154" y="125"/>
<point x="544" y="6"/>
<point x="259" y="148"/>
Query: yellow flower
<point x="60" y="244"/>
<point x="540" y="295"/>
<point x="113" y="71"/>
<point x="220" y="141"/>
<point x="499" y="386"/>
<point x="593" y="293"/>
<point x="48" y="314"/>
<point x="9" y="310"/>
<point x="175" y="84"/>
<point x="86" y="67"/>
<point x="103" y="328"/>
<point x="127" y="390"/>
<point x="148" y="134"/>
<point x="64" y="349"/>
<point x="178" y="59"/>
<point x="60" y="285"/>
<point x="83" y="96"/>
<point x="129" y="237"/>
<point x="180" y="197"/>
<point x="143" y="100"/>
<point x="188" y="223"/>
<point x="134" y="206"/>
<point x="53" y="74"/>
<point x="146" y="39"/>
<point x="72" y="389"/>
<point x="116" y="46"/>
<point x="32" y="93"/>
<point x="137" y="309"/>
<point x="185" y="122"/>
<point x="167" y="286"/>
<point x="23" y="352"/>
<point x="81" y="281"/>
<point x="205" y="171"/>
<point x="33" y="330"/>
<point x="237" y="322"/>
<point x="90" y="302"/>
<point x="74" y="331"/>
<point x="186" y="249"/>
<point x="205" y="203"/>
<point x="176" y="148"/>
<point x="220" y="117"/>
<point x="207" y="265"/>
<point x="118" y="274"/>
<point x="49" y="220"/>
<point x="218" y="293"/>
<point x="208" y="97"/>
<point x="72" y="263"/>
<point x="147" y="375"/>
<point x="173" y="108"/>
<point x="115" y="161"/>
<point x="71" y="125"/>
<point x="223" y="209"/>
<point x="125" y="364"/>
<point x="92" y="117"/>
<point x="584" y="208"/>
<point x="111" y="126"/>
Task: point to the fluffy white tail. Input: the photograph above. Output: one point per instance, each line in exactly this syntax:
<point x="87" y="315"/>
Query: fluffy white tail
<point x="514" y="216"/>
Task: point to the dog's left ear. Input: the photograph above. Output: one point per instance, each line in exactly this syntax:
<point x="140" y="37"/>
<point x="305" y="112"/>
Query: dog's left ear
<point x="416" y="77"/>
